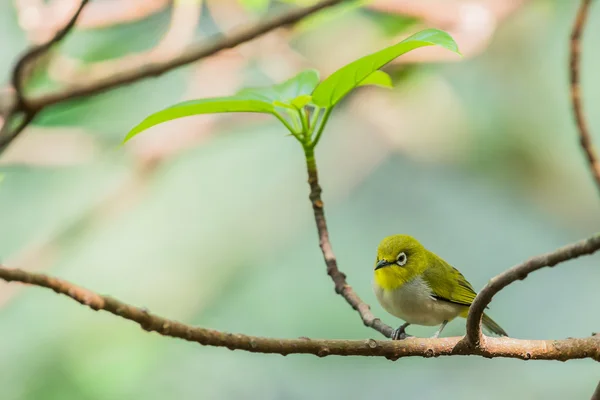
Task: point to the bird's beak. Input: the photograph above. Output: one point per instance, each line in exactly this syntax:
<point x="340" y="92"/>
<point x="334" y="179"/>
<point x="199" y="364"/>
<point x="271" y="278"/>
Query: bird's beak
<point x="381" y="264"/>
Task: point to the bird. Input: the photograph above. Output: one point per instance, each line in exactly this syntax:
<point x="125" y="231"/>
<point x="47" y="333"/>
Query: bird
<point x="419" y="287"/>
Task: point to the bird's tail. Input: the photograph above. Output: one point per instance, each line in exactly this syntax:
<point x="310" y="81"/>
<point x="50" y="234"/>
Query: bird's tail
<point x="492" y="326"/>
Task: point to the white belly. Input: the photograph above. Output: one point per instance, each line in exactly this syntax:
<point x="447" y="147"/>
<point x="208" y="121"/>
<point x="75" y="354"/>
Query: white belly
<point x="413" y="303"/>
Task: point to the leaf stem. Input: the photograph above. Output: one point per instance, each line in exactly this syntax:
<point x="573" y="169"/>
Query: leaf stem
<point x="305" y="126"/>
<point x="324" y="120"/>
<point x="288" y="126"/>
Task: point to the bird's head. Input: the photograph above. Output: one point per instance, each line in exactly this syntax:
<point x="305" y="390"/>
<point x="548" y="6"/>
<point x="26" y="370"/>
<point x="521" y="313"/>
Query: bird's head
<point x="400" y="258"/>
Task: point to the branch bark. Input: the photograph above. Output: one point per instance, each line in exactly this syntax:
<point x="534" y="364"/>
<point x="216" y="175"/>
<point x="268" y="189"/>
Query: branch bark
<point x="585" y="137"/>
<point x="474" y="336"/>
<point x="563" y="350"/>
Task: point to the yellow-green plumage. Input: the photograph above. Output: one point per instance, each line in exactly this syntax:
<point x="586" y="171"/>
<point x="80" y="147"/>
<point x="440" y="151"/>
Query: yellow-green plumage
<point x="416" y="285"/>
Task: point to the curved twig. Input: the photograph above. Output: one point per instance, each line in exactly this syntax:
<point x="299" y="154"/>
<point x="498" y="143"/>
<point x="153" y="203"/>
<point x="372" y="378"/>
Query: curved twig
<point x="35" y="52"/>
<point x="21" y="103"/>
<point x="563" y="350"/>
<point x="474" y="336"/>
<point x="585" y="137"/>
<point x="339" y="278"/>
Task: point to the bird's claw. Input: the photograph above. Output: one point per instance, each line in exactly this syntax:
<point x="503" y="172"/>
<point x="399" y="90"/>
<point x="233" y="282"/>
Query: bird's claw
<point x="400" y="334"/>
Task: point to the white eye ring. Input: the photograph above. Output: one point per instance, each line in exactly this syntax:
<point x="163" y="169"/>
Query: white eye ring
<point x="401" y="259"/>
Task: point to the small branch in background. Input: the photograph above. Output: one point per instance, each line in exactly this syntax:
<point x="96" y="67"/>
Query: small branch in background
<point x="194" y="53"/>
<point x="474" y="336"/>
<point x="563" y="350"/>
<point x="33" y="53"/>
<point x="41" y="19"/>
<point x="272" y="51"/>
<point x="585" y="136"/>
<point x="158" y="67"/>
<point x="21" y="104"/>
<point x="339" y="278"/>
<point x="6" y="136"/>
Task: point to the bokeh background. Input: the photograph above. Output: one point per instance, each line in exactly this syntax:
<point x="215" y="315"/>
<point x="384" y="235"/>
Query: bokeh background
<point x="206" y="219"/>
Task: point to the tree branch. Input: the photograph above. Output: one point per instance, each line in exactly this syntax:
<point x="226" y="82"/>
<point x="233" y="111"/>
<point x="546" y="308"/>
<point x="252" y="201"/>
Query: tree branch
<point x="35" y="52"/>
<point x="474" y="336"/>
<point x="127" y="76"/>
<point x="585" y="137"/>
<point x="339" y="278"/>
<point x="563" y="350"/>
<point x="21" y="104"/>
<point x="194" y="53"/>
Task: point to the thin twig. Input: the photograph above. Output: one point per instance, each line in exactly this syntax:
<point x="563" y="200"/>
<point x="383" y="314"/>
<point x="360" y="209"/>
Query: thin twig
<point x="194" y="53"/>
<point x="7" y="136"/>
<point x="21" y="103"/>
<point x="35" y="52"/>
<point x="563" y="350"/>
<point x="474" y="336"/>
<point x="585" y="137"/>
<point x="339" y="278"/>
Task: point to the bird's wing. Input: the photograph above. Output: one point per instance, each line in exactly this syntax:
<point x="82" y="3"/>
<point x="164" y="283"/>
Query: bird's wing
<point x="447" y="283"/>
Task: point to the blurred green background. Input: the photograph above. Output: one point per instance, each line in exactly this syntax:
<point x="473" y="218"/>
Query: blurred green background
<point x="207" y="220"/>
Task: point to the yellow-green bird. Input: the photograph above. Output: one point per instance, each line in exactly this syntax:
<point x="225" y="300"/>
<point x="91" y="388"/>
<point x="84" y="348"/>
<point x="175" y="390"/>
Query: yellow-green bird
<point x="416" y="285"/>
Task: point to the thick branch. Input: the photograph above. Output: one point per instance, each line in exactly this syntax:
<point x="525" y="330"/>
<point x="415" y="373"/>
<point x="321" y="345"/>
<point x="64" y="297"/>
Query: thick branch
<point x="194" y="53"/>
<point x="339" y="278"/>
<point x="563" y="350"/>
<point x="585" y="137"/>
<point x="585" y="247"/>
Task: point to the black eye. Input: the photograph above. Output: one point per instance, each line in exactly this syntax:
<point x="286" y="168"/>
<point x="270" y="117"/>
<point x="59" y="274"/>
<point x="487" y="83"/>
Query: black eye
<point x="401" y="259"/>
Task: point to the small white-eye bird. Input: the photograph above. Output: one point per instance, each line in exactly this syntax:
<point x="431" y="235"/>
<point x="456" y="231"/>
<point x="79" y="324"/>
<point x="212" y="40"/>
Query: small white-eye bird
<point x="415" y="285"/>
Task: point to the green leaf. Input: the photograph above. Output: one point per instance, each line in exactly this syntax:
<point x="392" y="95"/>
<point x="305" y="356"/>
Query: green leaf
<point x="255" y="100"/>
<point x="237" y="103"/>
<point x="377" y="78"/>
<point x="302" y="84"/>
<point x="256" y="5"/>
<point x="342" y="81"/>
<point x="301" y="101"/>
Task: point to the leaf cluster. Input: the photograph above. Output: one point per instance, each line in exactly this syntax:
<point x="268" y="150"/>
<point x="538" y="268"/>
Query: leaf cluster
<point x="303" y="103"/>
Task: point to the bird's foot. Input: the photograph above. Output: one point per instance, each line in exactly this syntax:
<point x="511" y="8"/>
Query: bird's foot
<point x="400" y="333"/>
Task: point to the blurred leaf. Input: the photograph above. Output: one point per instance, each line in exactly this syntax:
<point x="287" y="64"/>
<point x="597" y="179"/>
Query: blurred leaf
<point x="388" y="23"/>
<point x="341" y="82"/>
<point x="378" y="78"/>
<point x="97" y="45"/>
